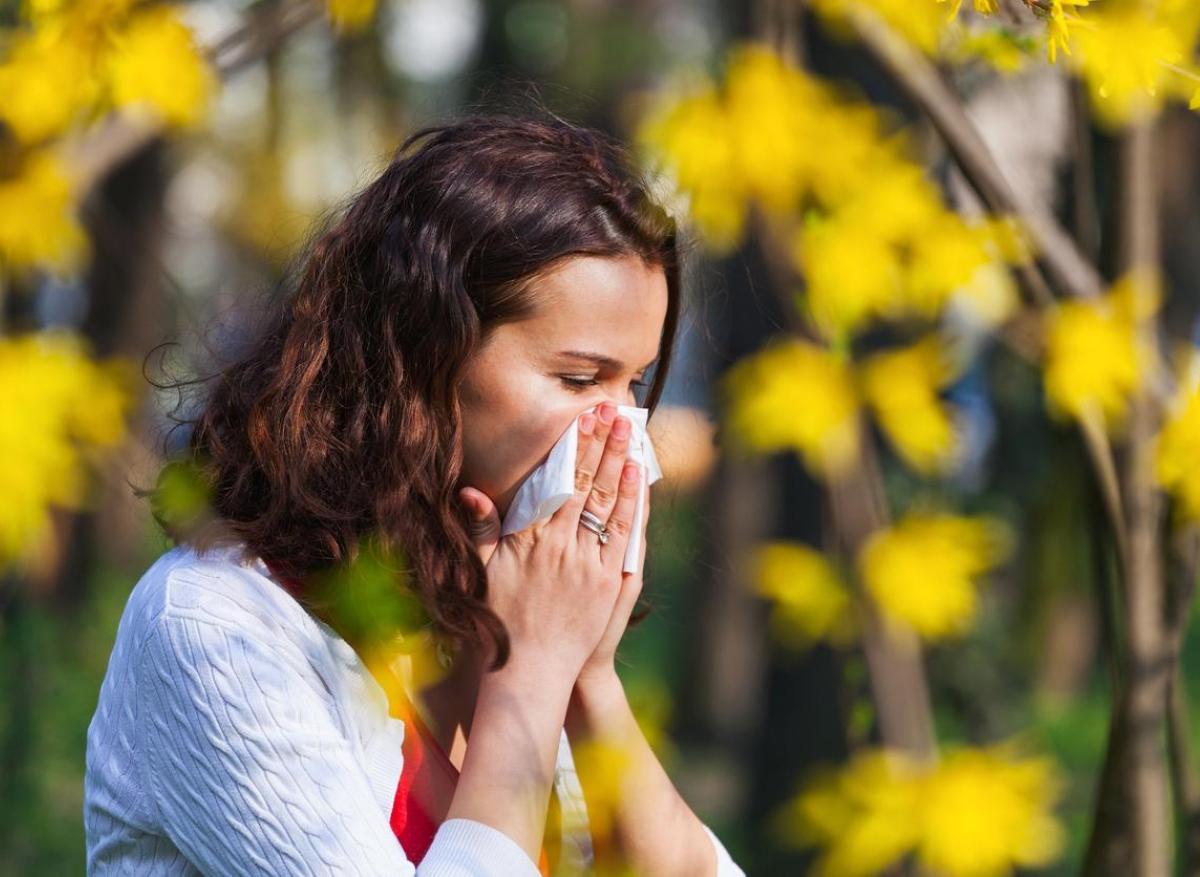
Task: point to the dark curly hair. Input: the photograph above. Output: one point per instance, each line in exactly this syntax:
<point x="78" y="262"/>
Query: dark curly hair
<point x="340" y="419"/>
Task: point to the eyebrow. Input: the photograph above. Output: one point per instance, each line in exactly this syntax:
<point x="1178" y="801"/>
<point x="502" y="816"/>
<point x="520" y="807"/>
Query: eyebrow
<point x="600" y="359"/>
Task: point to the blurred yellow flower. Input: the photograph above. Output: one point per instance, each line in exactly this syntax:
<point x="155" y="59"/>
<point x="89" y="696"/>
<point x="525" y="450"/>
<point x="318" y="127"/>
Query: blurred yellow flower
<point x="769" y="124"/>
<point x="37" y="216"/>
<point x="986" y="811"/>
<point x="810" y="601"/>
<point x="1177" y="448"/>
<point x="692" y="134"/>
<point x="1062" y="18"/>
<point x="902" y="387"/>
<point x="920" y="23"/>
<point x="851" y="274"/>
<point x="47" y="78"/>
<point x="156" y="67"/>
<point x="603" y="767"/>
<point x="350" y="16"/>
<point x="1094" y="360"/>
<point x="61" y="410"/>
<point x="980" y="812"/>
<point x="1133" y="57"/>
<point x="863" y="815"/>
<point x="922" y="572"/>
<point x="793" y="395"/>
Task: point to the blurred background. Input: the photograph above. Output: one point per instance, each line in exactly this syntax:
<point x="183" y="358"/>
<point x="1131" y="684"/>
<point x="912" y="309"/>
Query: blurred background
<point x="183" y="218"/>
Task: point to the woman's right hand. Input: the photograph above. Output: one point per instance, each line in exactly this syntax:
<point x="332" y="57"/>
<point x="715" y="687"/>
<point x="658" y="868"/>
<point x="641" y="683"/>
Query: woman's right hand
<point x="553" y="584"/>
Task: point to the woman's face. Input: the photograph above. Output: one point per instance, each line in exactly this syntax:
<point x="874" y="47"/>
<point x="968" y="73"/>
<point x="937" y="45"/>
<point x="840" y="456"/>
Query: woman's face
<point x="523" y="387"/>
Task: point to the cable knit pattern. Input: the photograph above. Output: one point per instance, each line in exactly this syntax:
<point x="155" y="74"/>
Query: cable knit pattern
<point x="237" y="734"/>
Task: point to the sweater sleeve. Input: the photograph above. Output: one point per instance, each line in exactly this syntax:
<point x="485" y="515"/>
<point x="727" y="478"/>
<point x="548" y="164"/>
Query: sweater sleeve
<point x="248" y="772"/>
<point x="726" y="867"/>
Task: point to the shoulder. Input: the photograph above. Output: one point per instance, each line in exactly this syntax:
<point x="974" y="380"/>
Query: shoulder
<point x="223" y="587"/>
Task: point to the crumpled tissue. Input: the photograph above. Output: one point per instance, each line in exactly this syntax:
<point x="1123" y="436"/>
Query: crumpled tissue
<point x="553" y="482"/>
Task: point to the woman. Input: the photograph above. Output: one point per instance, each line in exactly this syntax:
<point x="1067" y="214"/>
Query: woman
<point x="491" y="286"/>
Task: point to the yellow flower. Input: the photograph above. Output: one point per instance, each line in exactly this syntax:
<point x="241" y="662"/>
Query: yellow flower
<point x="156" y="67"/>
<point x="922" y="571"/>
<point x="350" y="16"/>
<point x="920" y="23"/>
<point x="811" y="602"/>
<point x="1133" y="56"/>
<point x="690" y="135"/>
<point x="37" y="216"/>
<point x="980" y="812"/>
<point x="1177" y="448"/>
<point x="902" y="388"/>
<point x="1062" y="18"/>
<point x="61" y="409"/>
<point x="851" y="274"/>
<point x="46" y="79"/>
<point x="603" y="766"/>
<point x="793" y="395"/>
<point x="1094" y="361"/>
<point x="987" y="811"/>
<point x="863" y="815"/>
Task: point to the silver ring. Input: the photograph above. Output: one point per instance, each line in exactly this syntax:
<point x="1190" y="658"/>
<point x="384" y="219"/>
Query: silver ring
<point x="587" y="519"/>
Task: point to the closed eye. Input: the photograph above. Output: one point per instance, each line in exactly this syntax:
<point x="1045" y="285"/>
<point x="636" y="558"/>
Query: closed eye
<point x="581" y="383"/>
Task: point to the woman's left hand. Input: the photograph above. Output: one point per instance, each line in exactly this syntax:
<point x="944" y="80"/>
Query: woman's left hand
<point x="600" y="667"/>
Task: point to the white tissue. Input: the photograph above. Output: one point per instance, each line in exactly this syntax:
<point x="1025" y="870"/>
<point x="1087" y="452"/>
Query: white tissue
<point x="553" y="482"/>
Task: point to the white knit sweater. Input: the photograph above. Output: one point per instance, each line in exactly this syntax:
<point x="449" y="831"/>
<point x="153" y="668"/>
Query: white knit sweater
<point x="237" y="734"/>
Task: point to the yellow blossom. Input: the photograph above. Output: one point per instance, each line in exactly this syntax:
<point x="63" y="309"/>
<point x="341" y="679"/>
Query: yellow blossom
<point x="690" y="133"/>
<point x="1177" y="448"/>
<point x="1062" y="18"/>
<point x="922" y="572"/>
<point x="47" y="79"/>
<point x="1094" y="360"/>
<point x="156" y="67"/>
<point x="793" y="395"/>
<point x="986" y="811"/>
<point x="61" y="409"/>
<point x="810" y="601"/>
<point x="1130" y="55"/>
<point x="861" y="815"/>
<point x="767" y="123"/>
<point x="350" y="16"/>
<point x="902" y="388"/>
<point x="979" y="812"/>
<point x="920" y="22"/>
<point x="851" y="274"/>
<point x="37" y="216"/>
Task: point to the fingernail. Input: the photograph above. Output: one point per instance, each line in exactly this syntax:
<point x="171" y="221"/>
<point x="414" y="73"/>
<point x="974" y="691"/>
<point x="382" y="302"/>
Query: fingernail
<point x="607" y="412"/>
<point x="631" y="472"/>
<point x="621" y="428"/>
<point x="587" y="424"/>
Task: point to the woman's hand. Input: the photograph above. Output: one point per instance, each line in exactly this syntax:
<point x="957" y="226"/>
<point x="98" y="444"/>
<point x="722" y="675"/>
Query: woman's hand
<point x="600" y="667"/>
<point x="553" y="584"/>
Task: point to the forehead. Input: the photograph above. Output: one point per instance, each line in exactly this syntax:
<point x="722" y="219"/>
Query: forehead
<point x="614" y="306"/>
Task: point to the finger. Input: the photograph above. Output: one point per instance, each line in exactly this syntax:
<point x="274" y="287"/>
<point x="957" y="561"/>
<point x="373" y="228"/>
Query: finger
<point x="603" y="495"/>
<point x="483" y="521"/>
<point x="620" y="522"/>
<point x="591" y="449"/>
